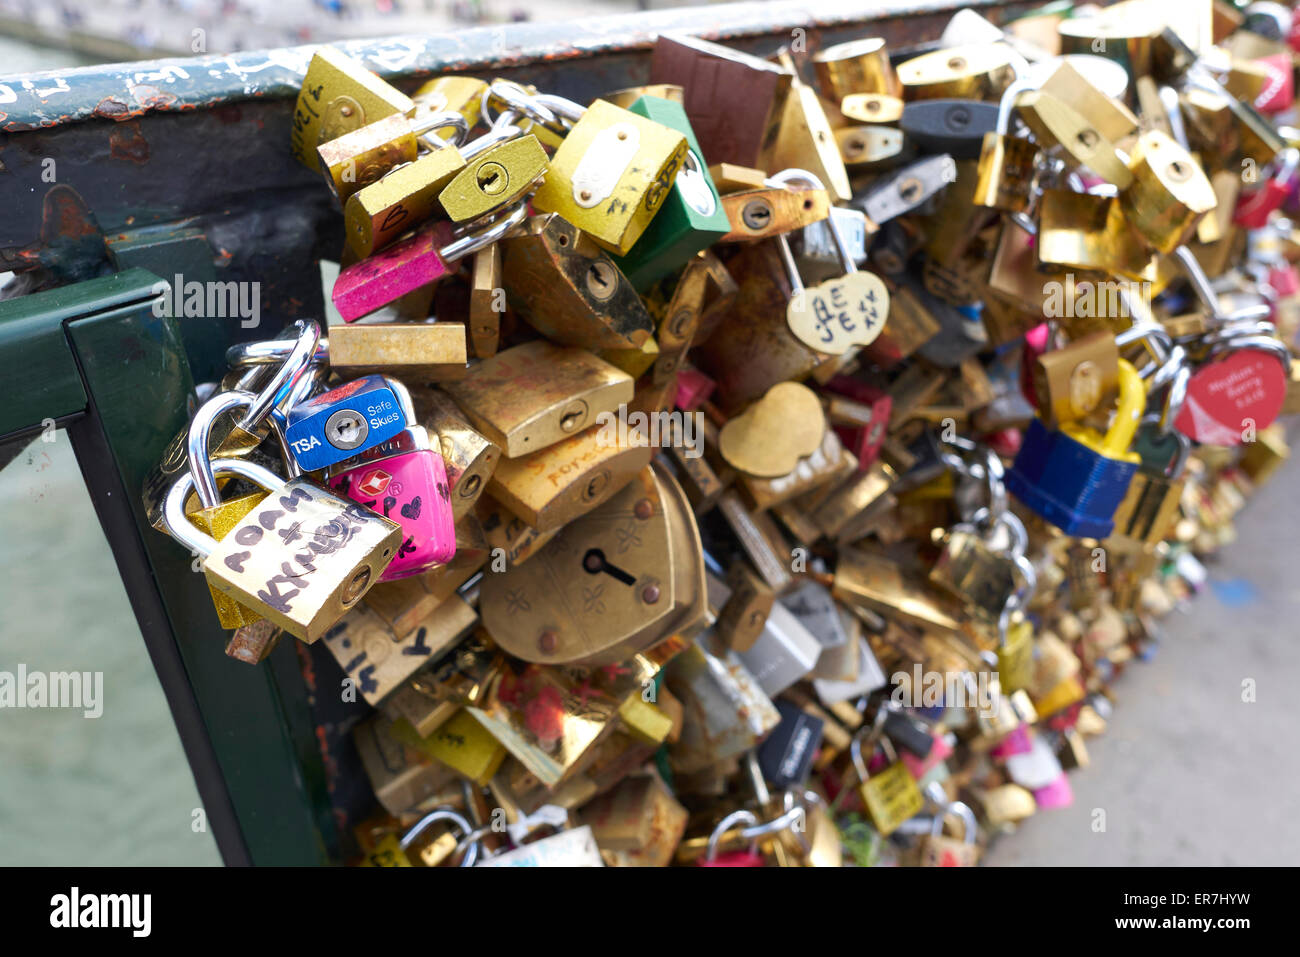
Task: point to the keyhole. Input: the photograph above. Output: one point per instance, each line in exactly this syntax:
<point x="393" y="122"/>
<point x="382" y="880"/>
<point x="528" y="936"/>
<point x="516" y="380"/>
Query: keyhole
<point x="492" y="178"/>
<point x="600" y="279"/>
<point x="757" y="215"/>
<point x="909" y="190"/>
<point x="594" y="563"/>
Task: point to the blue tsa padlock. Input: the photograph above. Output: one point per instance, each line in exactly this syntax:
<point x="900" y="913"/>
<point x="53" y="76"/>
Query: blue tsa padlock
<point x="343" y="422"/>
<point x="1077" y="477"/>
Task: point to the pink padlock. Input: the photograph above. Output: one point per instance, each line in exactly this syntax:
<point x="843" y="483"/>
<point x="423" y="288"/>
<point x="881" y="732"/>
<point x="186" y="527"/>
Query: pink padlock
<point x="405" y="480"/>
<point x="1279" y="91"/>
<point x="1017" y="742"/>
<point x="746" y="858"/>
<point x="693" y="389"/>
<point x="426" y="256"/>
<point x="1057" y="794"/>
<point x="920" y="767"/>
<point x="1285" y="280"/>
<point x="1036" y="341"/>
<point x="1254" y="207"/>
<point x="864" y="441"/>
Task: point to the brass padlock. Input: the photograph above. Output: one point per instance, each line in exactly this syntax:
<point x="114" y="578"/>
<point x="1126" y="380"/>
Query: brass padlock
<point x="379" y="659"/>
<point x="552" y="487"/>
<point x="772" y="211"/>
<point x="1088" y="232"/>
<point x="611" y="583"/>
<point x="568" y="288"/>
<point x="501" y="167"/>
<point x="469" y="457"/>
<point x="326" y="552"/>
<point x="972" y="72"/>
<point x="859" y="66"/>
<point x="458" y="94"/>
<point x="487" y="301"/>
<point x="364" y="155"/>
<point x="612" y="173"/>
<point x="400" y="200"/>
<point x="1072" y="382"/>
<point x="416" y="351"/>
<point x="339" y="95"/>
<point x="1168" y="195"/>
<point x="804" y="139"/>
<point x="1057" y="124"/>
<point x="533" y="395"/>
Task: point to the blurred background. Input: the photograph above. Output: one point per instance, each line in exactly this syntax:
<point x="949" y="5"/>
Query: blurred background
<point x="1188" y="773"/>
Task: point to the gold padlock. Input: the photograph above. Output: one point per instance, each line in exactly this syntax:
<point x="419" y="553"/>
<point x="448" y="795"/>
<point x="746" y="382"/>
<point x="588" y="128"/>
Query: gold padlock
<point x="567" y="287"/>
<point x="1169" y="192"/>
<point x="339" y="95"/>
<point x="421" y="352"/>
<point x="533" y="395"/>
<point x="611" y="174"/>
<point x="400" y="200"/>
<point x="972" y="72"/>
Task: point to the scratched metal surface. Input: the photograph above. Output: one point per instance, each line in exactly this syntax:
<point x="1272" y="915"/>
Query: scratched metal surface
<point x="130" y="90"/>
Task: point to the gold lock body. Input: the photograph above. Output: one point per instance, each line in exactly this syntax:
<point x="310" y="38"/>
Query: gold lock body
<point x="218" y="522"/>
<point x="611" y="174"/>
<point x="534" y="395"/>
<point x="403" y="198"/>
<point x="421" y="352"/>
<point x="494" y="179"/>
<point x="339" y="95"/>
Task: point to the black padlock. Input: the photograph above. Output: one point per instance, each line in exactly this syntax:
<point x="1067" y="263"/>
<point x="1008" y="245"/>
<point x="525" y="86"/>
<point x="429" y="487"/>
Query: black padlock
<point x="786" y="756"/>
<point x="956" y="127"/>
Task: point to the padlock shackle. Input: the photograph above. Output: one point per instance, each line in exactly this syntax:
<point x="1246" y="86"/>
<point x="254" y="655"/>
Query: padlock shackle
<point x="963" y="811"/>
<point x="1008" y="102"/>
<point x="198" y="443"/>
<point x="1128" y="412"/>
<point x="1253" y="342"/>
<point x="749" y="818"/>
<point x="473" y="241"/>
<point x="294" y="366"/>
<point x="179" y="527"/>
<point x="441" y="120"/>
<point x="458" y="821"/>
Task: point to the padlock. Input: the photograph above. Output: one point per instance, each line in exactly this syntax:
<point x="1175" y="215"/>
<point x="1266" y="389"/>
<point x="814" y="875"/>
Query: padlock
<point x="870" y="148"/>
<point x="770" y="437"/>
<point x="1236" y="393"/>
<point x="379" y="212"/>
<point x="339" y="95"/>
<point x="813" y="476"/>
<point x="501" y="167"/>
<point x="379" y="658"/>
<point x="1089" y="232"/>
<point x="804" y="139"/>
<point x="818" y="253"/>
<point x="903" y="190"/>
<point x="364" y="155"/>
<point x="404" y="478"/>
<point x="1168" y="193"/>
<point x="486" y="302"/>
<point x="742" y="606"/>
<point x="859" y="66"/>
<point x="785" y="652"/>
<point x="1070" y="383"/>
<point x="553" y="486"/>
<point x="424" y="257"/>
<point x="325" y="553"/>
<point x="735" y="101"/>
<point x="678" y="321"/>
<point x="956" y="127"/>
<point x="772" y="210"/>
<point x="569" y="289"/>
<point x="813" y="606"/>
<point x="343" y="422"/>
<point x="836" y="314"/>
<point x="469" y="458"/>
<point x="860" y="416"/>
<point x="1149" y="510"/>
<point x="418" y="352"/>
<point x="458" y="94"/>
<point x="1253" y="208"/>
<point x="612" y="582"/>
<point x="640" y="819"/>
<point x="871" y="108"/>
<point x="1006" y="163"/>
<point x="940" y="850"/>
<point x="890" y="797"/>
<point x="1058" y="125"/>
<point x="691" y="218"/>
<point x="727" y="713"/>
<point x="612" y="173"/>
<point x="983" y="574"/>
<point x="970" y="72"/>
<point x="533" y="395"/>
<point x="1075" y="477"/>
<point x="749" y="857"/>
<point x="253" y="644"/>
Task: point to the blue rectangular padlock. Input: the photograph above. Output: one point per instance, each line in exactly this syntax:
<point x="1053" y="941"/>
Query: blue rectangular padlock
<point x="343" y="422"/>
<point x="1074" y="487"/>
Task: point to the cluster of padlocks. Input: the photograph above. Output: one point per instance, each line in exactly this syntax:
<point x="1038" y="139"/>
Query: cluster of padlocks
<point x="775" y="463"/>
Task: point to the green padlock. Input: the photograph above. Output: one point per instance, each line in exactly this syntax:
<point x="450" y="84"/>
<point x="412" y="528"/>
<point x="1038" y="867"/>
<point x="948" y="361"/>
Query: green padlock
<point x="690" y="219"/>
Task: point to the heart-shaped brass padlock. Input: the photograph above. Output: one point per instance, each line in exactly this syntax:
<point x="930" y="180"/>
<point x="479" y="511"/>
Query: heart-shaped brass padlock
<point x="837" y="314"/>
